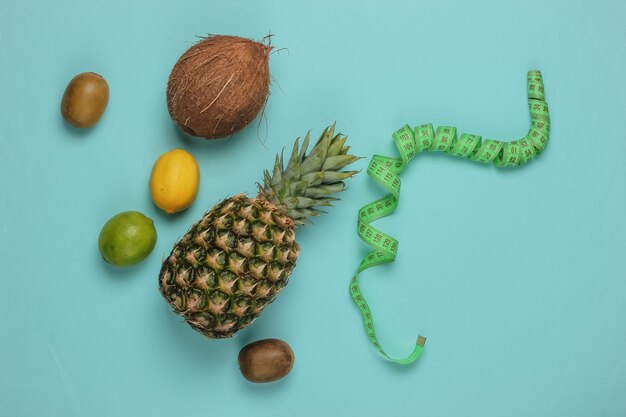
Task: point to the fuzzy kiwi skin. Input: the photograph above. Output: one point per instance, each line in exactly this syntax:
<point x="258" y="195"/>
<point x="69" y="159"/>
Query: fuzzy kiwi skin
<point x="85" y="99"/>
<point x="266" y="360"/>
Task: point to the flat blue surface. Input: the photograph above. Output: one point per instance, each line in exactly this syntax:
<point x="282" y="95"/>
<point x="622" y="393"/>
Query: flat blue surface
<point x="517" y="278"/>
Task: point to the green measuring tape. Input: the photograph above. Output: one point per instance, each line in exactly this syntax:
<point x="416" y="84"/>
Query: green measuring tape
<point x="386" y="170"/>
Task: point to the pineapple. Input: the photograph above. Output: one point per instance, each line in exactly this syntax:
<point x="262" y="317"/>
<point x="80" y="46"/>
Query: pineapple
<point x="236" y="259"/>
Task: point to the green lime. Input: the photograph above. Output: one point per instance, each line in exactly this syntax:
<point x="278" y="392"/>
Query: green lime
<point x="127" y="238"/>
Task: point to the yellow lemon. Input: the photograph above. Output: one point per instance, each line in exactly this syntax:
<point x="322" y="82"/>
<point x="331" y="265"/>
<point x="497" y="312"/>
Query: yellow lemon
<point x="174" y="180"/>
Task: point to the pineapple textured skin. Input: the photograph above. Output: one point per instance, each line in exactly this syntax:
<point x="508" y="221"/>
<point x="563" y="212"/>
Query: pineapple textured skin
<point x="230" y="265"/>
<point x="236" y="259"/>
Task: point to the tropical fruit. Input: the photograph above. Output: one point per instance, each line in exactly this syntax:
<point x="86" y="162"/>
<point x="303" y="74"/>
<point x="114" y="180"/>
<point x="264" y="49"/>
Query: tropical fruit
<point x="219" y="85"/>
<point x="266" y="360"/>
<point x="234" y="261"/>
<point x="85" y="100"/>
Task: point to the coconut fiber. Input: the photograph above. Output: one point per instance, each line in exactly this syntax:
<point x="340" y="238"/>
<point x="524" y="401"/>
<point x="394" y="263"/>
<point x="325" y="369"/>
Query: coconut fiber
<point x="219" y="85"/>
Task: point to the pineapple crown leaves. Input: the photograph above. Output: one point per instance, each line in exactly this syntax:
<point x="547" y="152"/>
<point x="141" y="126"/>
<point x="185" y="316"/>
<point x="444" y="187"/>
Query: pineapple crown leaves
<point x="308" y="180"/>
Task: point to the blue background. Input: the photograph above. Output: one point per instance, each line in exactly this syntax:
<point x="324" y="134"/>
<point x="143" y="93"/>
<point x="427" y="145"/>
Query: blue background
<point x="516" y="277"/>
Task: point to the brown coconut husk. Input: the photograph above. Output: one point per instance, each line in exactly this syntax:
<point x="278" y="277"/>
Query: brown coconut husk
<point x="219" y="85"/>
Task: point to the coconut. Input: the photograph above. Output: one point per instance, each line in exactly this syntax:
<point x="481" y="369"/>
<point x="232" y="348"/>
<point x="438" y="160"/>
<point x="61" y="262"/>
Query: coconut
<point x="219" y="85"/>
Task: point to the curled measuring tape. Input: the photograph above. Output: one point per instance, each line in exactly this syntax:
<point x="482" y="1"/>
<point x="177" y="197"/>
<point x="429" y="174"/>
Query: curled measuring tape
<point x="410" y="142"/>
